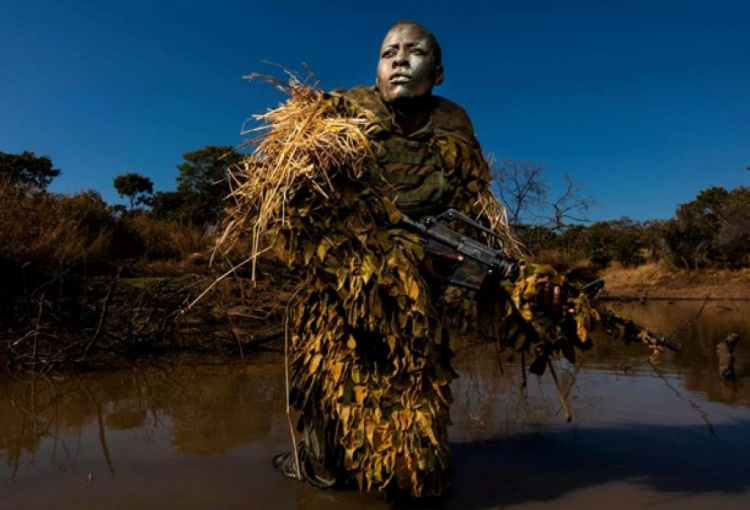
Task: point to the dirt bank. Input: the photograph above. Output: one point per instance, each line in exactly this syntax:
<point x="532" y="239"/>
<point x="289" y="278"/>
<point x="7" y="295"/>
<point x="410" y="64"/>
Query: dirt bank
<point x="652" y="281"/>
<point x="73" y="320"/>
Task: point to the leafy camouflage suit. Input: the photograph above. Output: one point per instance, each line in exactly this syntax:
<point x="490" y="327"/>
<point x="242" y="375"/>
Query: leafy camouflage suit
<point x="370" y="361"/>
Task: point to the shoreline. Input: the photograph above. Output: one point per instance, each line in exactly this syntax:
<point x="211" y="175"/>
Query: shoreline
<point x="653" y="282"/>
<point x="629" y="298"/>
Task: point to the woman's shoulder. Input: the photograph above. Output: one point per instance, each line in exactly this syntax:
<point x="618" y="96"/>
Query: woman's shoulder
<point x="449" y="116"/>
<point x="364" y="98"/>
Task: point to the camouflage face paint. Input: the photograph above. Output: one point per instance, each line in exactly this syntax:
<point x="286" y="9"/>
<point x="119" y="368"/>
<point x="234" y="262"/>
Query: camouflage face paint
<point x="407" y="67"/>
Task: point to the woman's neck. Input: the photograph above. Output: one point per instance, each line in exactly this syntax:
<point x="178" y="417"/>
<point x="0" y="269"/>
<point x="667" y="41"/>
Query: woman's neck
<point x="411" y="114"/>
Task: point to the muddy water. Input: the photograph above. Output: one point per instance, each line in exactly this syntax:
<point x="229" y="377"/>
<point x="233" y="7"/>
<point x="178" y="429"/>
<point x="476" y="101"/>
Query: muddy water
<point x="200" y="433"/>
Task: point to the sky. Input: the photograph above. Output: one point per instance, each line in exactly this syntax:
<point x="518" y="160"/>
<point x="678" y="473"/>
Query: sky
<point x="644" y="103"/>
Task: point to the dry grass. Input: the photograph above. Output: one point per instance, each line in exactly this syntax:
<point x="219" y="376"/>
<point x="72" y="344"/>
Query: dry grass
<point x="45" y="229"/>
<point x="302" y="144"/>
<point x="56" y="232"/>
<point x="562" y="260"/>
<point x="655" y="280"/>
<point x="164" y="239"/>
<point x="497" y="217"/>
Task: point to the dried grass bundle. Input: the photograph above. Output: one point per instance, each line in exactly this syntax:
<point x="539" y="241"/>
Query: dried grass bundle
<point x="304" y="143"/>
<point x="496" y="216"/>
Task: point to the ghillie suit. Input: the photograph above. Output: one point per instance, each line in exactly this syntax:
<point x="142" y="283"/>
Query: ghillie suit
<point x="369" y="358"/>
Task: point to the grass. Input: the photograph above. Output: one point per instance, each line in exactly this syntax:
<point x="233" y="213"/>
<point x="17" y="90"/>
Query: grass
<point x="655" y="280"/>
<point x="48" y="233"/>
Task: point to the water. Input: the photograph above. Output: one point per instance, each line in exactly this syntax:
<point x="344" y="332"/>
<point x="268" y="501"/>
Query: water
<point x="183" y="434"/>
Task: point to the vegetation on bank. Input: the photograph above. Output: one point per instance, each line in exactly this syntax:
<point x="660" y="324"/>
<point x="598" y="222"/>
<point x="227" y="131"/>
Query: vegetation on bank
<point x="710" y="232"/>
<point x="84" y="280"/>
<point x="46" y="229"/>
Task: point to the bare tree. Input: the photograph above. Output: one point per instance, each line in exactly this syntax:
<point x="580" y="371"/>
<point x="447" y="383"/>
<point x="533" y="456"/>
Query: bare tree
<point x="521" y="187"/>
<point x="569" y="206"/>
<point x="524" y="191"/>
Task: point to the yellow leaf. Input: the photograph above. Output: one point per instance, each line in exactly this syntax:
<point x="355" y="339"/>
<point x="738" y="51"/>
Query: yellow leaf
<point x="426" y="425"/>
<point x="370" y="431"/>
<point x="360" y="392"/>
<point x="336" y="372"/>
<point x="344" y="414"/>
<point x="412" y="289"/>
<point x="368" y="268"/>
<point x="315" y="363"/>
<point x="307" y="255"/>
<point x="386" y="443"/>
<point x="394" y="215"/>
<point x="391" y="344"/>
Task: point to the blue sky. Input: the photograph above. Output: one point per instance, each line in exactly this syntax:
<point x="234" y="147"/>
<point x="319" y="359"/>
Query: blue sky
<point x="644" y="103"/>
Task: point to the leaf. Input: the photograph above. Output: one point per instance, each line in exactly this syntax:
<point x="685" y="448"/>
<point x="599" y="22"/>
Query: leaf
<point x="315" y="363"/>
<point x="385" y="443"/>
<point x="581" y="329"/>
<point x="401" y="301"/>
<point x="336" y="370"/>
<point x="412" y="289"/>
<point x="368" y="268"/>
<point x="370" y="431"/>
<point x="345" y="413"/>
<point x="392" y="342"/>
<point x="322" y="250"/>
<point x="394" y="215"/>
<point x="360" y="392"/>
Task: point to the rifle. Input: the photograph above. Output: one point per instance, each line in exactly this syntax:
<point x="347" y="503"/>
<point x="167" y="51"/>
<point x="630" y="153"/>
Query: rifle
<point x="469" y="263"/>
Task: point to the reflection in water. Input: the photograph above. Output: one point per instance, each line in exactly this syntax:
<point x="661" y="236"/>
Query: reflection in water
<point x="201" y="435"/>
<point x="207" y="409"/>
<point x="697" y="362"/>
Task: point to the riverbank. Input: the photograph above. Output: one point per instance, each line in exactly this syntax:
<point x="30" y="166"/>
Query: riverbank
<point x="87" y="322"/>
<point x="651" y="281"/>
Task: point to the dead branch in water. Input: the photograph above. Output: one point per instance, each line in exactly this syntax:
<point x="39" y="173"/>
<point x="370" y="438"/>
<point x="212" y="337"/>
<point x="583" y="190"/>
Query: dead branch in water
<point x="697" y="315"/>
<point x="79" y="322"/>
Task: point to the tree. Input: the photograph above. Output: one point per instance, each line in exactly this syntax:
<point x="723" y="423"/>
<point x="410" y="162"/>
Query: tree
<point x="92" y="213"/>
<point x="524" y="192"/>
<point x="732" y="240"/>
<point x="713" y="229"/>
<point x="27" y="171"/>
<point x="203" y="182"/>
<point x="569" y="206"/>
<point x="605" y="241"/>
<point x="135" y="186"/>
<point x="628" y="241"/>
<point x="174" y="206"/>
<point x="521" y="188"/>
<point x="654" y="238"/>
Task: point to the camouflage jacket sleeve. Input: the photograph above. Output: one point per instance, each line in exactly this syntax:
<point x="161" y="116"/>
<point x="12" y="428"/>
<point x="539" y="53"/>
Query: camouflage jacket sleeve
<point x="513" y="314"/>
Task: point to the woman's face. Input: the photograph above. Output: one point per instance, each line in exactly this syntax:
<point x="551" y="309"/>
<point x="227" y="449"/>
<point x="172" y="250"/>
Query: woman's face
<point x="407" y="68"/>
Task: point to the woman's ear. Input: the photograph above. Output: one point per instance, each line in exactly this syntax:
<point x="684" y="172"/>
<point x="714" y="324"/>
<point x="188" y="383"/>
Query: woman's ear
<point x="439" y="75"/>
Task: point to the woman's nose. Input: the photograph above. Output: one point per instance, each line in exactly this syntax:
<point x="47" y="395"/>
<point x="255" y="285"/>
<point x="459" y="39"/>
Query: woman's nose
<point x="402" y="58"/>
